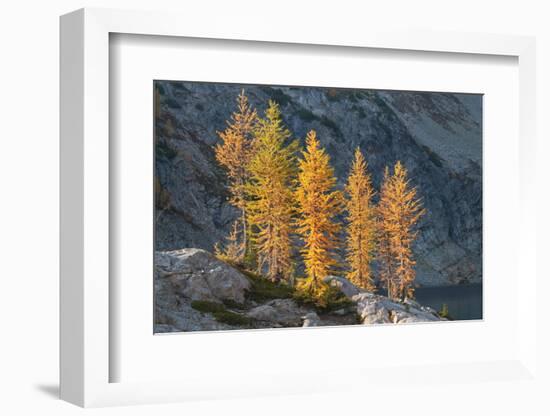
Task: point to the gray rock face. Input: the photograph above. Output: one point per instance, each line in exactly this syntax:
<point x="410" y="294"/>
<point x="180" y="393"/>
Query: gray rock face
<point x="186" y="275"/>
<point x="283" y="312"/>
<point x="437" y="136"/>
<point x="374" y="309"/>
<point x="183" y="318"/>
<point x="198" y="275"/>
<point x="343" y="284"/>
<point x="311" y="319"/>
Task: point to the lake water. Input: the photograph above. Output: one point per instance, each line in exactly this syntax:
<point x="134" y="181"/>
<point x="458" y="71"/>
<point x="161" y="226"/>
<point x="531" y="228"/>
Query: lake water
<point x="463" y="301"/>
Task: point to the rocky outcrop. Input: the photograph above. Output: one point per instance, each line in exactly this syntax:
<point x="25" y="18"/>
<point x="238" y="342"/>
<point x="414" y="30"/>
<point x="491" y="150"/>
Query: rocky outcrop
<point x="374" y="309"/>
<point x="194" y="291"/>
<point x="312" y="319"/>
<point x="343" y="285"/>
<point x="280" y="313"/>
<point x="182" y="317"/>
<point x="187" y="275"/>
<point x="436" y="135"/>
<point x="198" y="275"/>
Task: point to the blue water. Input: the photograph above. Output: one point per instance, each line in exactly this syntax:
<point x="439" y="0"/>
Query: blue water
<point x="464" y="301"/>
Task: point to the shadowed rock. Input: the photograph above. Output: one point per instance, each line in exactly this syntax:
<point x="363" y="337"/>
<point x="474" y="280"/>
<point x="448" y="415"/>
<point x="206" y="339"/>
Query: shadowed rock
<point x="285" y="312"/>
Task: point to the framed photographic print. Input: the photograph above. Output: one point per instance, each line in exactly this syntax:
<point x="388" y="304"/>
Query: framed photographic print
<point x="288" y="206"/>
<point x="237" y="209"/>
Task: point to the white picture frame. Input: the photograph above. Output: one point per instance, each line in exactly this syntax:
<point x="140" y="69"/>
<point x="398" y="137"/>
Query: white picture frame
<point x="86" y="356"/>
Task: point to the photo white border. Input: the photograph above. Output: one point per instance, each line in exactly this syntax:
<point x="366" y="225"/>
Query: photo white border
<point x="138" y="60"/>
<point x="85" y="202"/>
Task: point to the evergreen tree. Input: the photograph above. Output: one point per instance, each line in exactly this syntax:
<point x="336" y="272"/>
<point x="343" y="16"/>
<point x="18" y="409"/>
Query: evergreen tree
<point x="361" y="224"/>
<point x="231" y="251"/>
<point x="319" y="203"/>
<point x="399" y="210"/>
<point x="384" y="252"/>
<point x="271" y="196"/>
<point x="234" y="153"/>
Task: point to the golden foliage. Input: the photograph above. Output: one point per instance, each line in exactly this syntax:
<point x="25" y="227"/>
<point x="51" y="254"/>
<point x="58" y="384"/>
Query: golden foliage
<point x="319" y="203"/>
<point x="270" y="193"/>
<point x="361" y="227"/>
<point x="231" y="253"/>
<point x="384" y="253"/>
<point x="399" y="210"/>
<point x="279" y="195"/>
<point x="234" y="154"/>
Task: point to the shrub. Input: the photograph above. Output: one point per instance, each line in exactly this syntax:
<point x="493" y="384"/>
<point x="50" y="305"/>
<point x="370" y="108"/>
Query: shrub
<point x="331" y="299"/>
<point x="207" y="307"/>
<point x="444" y="312"/>
<point x="232" y="318"/>
<point x="230" y="303"/>
<point x="312" y="293"/>
<point x="220" y="313"/>
<point x="263" y="289"/>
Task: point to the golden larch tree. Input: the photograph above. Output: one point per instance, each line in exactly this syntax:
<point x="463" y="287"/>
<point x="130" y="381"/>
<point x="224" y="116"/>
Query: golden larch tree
<point x="319" y="203"/>
<point x="384" y="253"/>
<point x="231" y="252"/>
<point x="234" y="153"/>
<point x="270" y="194"/>
<point x="399" y="212"/>
<point x="361" y="228"/>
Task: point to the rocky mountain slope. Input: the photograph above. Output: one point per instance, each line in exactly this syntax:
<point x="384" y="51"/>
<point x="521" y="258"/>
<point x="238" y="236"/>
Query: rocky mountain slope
<point x="197" y="292"/>
<point x="436" y="135"/>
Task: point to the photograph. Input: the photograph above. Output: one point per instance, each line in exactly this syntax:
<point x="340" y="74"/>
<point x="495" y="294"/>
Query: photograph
<point x="284" y="206"/>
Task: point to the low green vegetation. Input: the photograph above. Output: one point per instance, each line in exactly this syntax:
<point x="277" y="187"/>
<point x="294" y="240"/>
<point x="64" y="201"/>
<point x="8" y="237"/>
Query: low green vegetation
<point x="263" y="289"/>
<point x="444" y="312"/>
<point x="220" y="313"/>
<point x="232" y="318"/>
<point x="338" y="301"/>
<point x="207" y="307"/>
<point x="333" y="300"/>
<point x="230" y="303"/>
